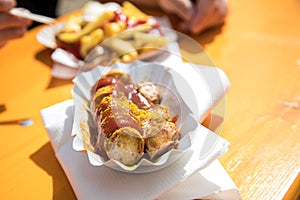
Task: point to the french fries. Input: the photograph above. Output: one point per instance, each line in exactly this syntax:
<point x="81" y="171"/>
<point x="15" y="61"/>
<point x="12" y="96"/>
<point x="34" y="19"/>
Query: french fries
<point x="124" y="31"/>
<point x="72" y="37"/>
<point x="88" y="42"/>
<point x="143" y="40"/>
<point x="135" y="14"/>
<point x="113" y="28"/>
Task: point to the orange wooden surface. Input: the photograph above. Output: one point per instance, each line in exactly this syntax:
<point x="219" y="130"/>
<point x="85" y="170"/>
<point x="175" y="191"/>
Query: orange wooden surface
<point x="259" y="50"/>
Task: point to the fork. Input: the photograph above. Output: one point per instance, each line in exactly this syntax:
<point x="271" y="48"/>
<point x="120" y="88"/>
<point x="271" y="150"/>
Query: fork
<point x="22" y="12"/>
<point x="21" y="122"/>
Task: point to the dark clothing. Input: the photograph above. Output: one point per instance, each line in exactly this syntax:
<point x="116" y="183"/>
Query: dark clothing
<point x="47" y="8"/>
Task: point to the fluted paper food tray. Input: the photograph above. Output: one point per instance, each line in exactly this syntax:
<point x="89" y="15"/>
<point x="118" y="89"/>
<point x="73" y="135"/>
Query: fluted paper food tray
<point x="139" y="71"/>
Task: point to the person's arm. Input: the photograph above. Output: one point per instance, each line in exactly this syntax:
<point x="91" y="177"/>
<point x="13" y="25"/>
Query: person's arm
<point x="138" y="3"/>
<point x="11" y="27"/>
<point x="208" y="13"/>
<point x="196" y="15"/>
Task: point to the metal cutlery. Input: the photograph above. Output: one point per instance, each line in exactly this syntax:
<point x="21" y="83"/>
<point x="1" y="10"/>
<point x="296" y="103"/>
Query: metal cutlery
<point x="22" y="122"/>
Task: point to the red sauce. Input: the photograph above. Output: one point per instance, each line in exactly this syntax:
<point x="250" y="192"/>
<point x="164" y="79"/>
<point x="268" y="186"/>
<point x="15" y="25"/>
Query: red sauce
<point x="119" y="16"/>
<point x="106" y="81"/>
<point x="174" y="119"/>
<point x="73" y="48"/>
<point x="114" y="118"/>
<point x="110" y="117"/>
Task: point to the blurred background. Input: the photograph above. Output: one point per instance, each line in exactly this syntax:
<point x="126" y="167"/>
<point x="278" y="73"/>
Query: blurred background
<point x="65" y="6"/>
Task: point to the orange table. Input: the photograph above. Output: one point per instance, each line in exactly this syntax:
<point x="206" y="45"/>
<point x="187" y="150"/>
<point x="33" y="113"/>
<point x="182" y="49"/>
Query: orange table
<point x="259" y="50"/>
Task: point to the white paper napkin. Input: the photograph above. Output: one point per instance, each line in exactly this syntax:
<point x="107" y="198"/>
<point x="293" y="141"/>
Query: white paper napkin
<point x="176" y="181"/>
<point x="187" y="178"/>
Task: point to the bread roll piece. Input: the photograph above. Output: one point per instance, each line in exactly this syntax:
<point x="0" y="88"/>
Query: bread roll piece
<point x="161" y="139"/>
<point x="125" y="145"/>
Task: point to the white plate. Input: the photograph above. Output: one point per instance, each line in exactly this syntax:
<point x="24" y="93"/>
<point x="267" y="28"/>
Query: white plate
<point x="46" y="37"/>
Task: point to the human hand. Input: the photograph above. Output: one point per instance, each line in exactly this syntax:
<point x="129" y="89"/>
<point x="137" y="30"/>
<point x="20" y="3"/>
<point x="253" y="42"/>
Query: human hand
<point x="11" y="27"/>
<point x="197" y="15"/>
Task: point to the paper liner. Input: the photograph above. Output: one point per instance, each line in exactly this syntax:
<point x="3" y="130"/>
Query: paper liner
<point x="46" y="36"/>
<point x="83" y="125"/>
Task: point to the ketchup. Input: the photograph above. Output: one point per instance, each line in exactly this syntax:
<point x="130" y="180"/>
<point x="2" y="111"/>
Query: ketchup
<point x="73" y="48"/>
<point x="114" y="118"/>
<point x="119" y="16"/>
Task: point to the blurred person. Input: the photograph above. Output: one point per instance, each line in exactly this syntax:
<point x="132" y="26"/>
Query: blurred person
<point x="11" y="27"/>
<point x="195" y="15"/>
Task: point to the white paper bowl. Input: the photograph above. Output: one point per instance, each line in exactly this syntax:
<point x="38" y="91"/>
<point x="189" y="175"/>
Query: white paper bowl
<point x="84" y="128"/>
<point x="46" y="36"/>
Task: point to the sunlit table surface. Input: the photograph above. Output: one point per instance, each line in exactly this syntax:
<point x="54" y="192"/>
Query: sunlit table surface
<point x="258" y="48"/>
